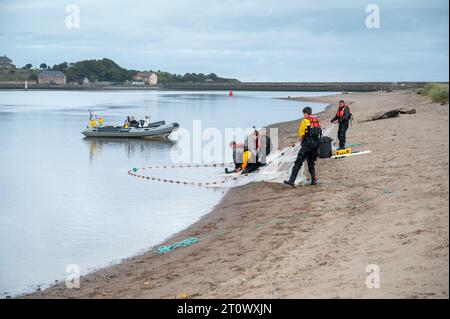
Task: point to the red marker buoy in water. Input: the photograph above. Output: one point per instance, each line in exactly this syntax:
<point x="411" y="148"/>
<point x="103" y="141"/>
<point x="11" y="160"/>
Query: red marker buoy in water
<point x="230" y="93"/>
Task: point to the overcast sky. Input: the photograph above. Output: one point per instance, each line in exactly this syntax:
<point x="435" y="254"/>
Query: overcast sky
<point x="252" y="40"/>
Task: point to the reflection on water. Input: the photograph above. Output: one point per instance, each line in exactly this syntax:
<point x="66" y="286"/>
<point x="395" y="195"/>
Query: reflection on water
<point x="66" y="199"/>
<point x="131" y="147"/>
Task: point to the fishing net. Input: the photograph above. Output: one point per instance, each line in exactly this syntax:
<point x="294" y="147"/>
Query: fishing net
<point x="278" y="168"/>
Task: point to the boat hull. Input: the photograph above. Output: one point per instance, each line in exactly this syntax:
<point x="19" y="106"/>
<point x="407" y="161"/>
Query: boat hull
<point x="158" y="132"/>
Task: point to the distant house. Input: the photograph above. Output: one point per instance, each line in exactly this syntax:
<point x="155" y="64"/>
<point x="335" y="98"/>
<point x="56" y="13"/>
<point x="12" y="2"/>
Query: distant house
<point x="51" y="77"/>
<point x="6" y="63"/>
<point x="149" y="78"/>
<point x="86" y="81"/>
<point x="153" y="79"/>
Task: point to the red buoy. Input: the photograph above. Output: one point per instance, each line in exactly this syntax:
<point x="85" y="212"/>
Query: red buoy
<point x="230" y="93"/>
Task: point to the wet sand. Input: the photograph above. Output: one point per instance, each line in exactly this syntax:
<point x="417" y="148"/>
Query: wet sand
<point x="389" y="208"/>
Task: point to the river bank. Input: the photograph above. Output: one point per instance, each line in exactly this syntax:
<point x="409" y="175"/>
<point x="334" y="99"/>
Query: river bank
<point x="388" y="208"/>
<point x="225" y="86"/>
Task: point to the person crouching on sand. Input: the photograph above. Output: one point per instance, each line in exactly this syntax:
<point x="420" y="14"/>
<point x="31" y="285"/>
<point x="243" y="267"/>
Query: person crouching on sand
<point x="238" y="151"/>
<point x="309" y="133"/>
<point x="249" y="162"/>
<point x="343" y="116"/>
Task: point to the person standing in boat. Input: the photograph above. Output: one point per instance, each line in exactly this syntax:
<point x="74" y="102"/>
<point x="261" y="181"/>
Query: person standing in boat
<point x="146" y="121"/>
<point x="127" y="122"/>
<point x="133" y="122"/>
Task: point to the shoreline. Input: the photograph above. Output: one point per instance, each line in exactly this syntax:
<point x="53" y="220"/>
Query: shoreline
<point x="224" y="86"/>
<point x="307" y="252"/>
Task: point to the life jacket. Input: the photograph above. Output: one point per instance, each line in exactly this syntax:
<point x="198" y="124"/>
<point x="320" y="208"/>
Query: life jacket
<point x="247" y="158"/>
<point x="314" y="129"/>
<point x="341" y="112"/>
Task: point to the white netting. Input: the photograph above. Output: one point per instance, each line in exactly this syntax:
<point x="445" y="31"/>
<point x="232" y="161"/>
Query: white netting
<point x="278" y="168"/>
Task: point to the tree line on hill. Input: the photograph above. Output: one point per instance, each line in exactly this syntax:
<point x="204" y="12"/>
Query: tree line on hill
<point x="94" y="70"/>
<point x="109" y="71"/>
<point x="105" y="70"/>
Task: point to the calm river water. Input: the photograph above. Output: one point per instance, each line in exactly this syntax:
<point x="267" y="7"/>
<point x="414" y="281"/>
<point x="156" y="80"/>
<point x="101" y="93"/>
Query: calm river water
<point x="66" y="200"/>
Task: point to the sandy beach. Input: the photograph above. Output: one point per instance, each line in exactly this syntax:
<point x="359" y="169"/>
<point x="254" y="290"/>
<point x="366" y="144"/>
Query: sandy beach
<point x="389" y="208"/>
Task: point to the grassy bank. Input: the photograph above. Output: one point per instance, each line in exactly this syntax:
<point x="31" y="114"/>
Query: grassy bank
<point x="18" y="75"/>
<point x="437" y="92"/>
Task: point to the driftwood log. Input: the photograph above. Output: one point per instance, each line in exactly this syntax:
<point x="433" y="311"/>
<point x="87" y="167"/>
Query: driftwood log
<point x="390" y="114"/>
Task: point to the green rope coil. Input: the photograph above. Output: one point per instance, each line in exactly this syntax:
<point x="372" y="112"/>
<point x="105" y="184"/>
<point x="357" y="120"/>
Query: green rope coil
<point x="184" y="243"/>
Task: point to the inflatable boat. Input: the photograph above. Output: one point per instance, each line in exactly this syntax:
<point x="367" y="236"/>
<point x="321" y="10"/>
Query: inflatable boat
<point x="154" y="130"/>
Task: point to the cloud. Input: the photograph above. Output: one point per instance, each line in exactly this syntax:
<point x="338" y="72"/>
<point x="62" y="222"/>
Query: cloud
<point x="293" y="40"/>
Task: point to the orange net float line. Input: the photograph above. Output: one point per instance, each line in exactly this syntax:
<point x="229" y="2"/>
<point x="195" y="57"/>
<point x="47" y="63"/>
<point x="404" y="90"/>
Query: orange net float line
<point x="133" y="172"/>
<point x="179" y="182"/>
<point x="291" y="146"/>
<point x="186" y="166"/>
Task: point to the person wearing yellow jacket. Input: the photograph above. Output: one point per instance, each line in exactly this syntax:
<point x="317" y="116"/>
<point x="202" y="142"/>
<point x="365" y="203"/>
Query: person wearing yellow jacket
<point x="309" y="133"/>
<point x="249" y="163"/>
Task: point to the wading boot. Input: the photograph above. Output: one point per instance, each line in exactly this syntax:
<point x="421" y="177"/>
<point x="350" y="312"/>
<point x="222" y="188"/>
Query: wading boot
<point x="288" y="184"/>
